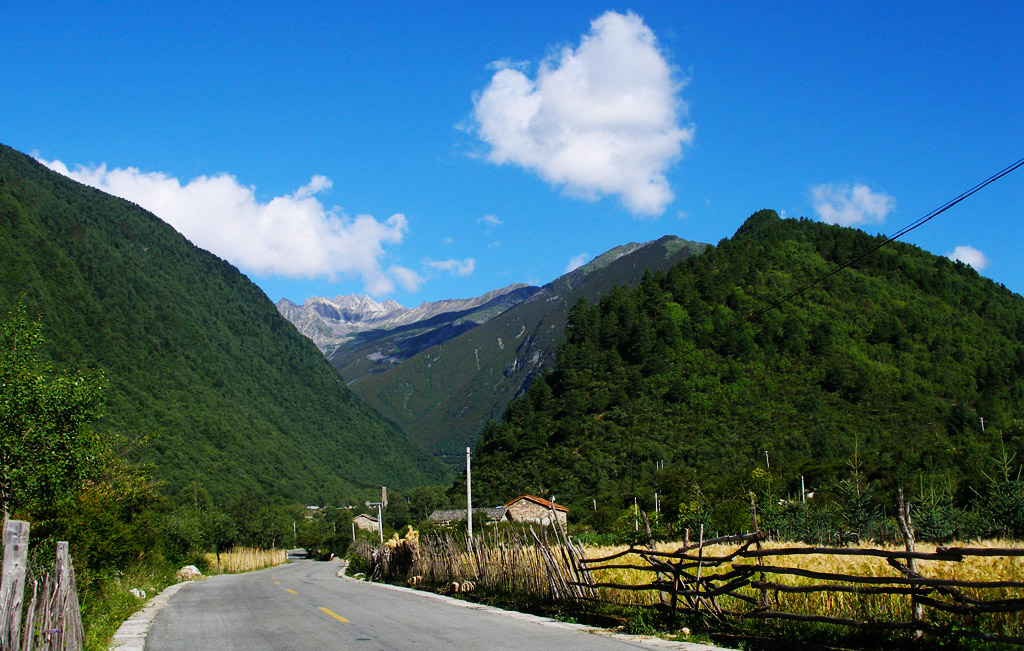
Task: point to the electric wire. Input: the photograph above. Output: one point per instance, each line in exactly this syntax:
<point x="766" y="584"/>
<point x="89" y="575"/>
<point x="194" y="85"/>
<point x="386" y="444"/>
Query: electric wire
<point x="884" y="241"/>
<point x="889" y="239"/>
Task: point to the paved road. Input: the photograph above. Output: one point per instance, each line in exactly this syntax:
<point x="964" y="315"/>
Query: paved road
<point x="304" y="605"/>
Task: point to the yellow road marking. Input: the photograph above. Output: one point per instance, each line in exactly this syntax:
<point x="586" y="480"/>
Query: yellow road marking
<point x="334" y="614"/>
<point x="277" y="583"/>
<point x="290" y="590"/>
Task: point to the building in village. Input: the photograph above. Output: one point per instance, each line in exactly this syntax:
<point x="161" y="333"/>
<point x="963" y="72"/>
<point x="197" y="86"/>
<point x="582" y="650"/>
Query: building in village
<point x="365" y="522"/>
<point x="525" y="508"/>
<point x="447" y="516"/>
<point x="530" y="508"/>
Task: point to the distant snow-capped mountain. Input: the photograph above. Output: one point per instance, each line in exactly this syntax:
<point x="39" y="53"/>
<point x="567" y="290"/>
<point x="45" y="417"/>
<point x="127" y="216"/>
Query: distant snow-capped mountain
<point x="358" y="330"/>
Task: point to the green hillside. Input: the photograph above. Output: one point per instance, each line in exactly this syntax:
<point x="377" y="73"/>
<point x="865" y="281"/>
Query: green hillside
<point x="876" y="377"/>
<point x="444" y="395"/>
<point x="194" y="351"/>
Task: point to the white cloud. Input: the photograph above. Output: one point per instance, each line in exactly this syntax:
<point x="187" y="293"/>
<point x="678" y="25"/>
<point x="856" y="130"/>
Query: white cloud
<point x="407" y="278"/>
<point x="577" y="261"/>
<point x="452" y="266"/>
<point x="848" y="206"/>
<point x="490" y="222"/>
<point x="447" y="240"/>
<point x="293" y="235"/>
<point x="969" y="255"/>
<point x="601" y="119"/>
<point x="501" y="64"/>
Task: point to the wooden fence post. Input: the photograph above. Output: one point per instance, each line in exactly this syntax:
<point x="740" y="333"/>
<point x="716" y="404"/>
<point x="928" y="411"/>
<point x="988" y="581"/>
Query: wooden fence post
<point x="69" y="615"/>
<point x="762" y="599"/>
<point x="12" y="582"/>
<point x="907" y="529"/>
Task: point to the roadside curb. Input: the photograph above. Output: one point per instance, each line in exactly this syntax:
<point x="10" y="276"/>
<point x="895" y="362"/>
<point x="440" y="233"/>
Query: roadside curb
<point x="131" y="636"/>
<point x="654" y="642"/>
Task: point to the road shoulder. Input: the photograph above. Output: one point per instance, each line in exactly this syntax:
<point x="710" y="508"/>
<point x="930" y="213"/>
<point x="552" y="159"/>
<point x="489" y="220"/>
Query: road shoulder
<point x="131" y="636"/>
<point x="647" y="641"/>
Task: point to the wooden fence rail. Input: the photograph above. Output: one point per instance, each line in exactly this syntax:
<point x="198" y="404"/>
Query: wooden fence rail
<point x="52" y="619"/>
<point x="699" y="582"/>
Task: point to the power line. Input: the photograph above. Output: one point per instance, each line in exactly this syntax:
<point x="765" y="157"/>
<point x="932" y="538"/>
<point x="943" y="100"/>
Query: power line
<point x="886" y="240"/>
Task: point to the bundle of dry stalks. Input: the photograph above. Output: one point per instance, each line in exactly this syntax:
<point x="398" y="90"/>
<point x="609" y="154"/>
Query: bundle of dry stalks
<point x="244" y="559"/>
<point x="501" y="561"/>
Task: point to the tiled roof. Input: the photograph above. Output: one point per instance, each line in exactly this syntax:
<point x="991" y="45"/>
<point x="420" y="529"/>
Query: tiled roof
<point x="538" y="500"/>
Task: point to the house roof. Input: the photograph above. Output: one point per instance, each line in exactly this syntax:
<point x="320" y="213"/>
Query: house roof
<point x="368" y="517"/>
<point x="447" y="515"/>
<point x="538" y="500"/>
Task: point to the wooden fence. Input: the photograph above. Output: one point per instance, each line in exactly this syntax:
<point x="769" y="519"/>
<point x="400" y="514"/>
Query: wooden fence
<point x="723" y="586"/>
<point x="740" y="584"/>
<point x="52" y="619"/>
<point x="729" y="579"/>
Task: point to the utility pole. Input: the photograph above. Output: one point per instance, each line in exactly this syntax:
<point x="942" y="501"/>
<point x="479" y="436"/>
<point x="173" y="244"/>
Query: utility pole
<point x="768" y="465"/>
<point x="469" y="501"/>
<point x="380" y="518"/>
<point x="803" y="493"/>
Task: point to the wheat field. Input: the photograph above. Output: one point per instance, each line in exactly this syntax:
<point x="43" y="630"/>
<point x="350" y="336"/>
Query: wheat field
<point x="879" y="608"/>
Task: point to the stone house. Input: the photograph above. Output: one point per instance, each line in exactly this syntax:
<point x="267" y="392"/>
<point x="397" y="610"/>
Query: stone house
<point x="365" y="522"/>
<point x="447" y="516"/>
<point x="529" y="508"/>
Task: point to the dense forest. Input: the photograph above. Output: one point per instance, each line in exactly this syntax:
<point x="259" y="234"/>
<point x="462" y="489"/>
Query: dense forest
<point x="444" y="395"/>
<point x="199" y="364"/>
<point x="702" y="384"/>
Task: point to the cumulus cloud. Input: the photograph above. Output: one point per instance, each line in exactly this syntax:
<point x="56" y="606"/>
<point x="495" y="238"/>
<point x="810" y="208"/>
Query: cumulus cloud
<point x="452" y="266"/>
<point x="600" y="119"/>
<point x="851" y="205"/>
<point x="577" y="261"/>
<point x="293" y="235"/>
<point x="969" y="255"/>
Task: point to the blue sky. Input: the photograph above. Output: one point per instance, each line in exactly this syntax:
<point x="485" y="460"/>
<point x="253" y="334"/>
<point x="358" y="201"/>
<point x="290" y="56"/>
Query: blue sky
<point x="418" y="153"/>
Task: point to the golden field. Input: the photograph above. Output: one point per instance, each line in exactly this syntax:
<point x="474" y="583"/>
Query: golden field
<point x="860" y="607"/>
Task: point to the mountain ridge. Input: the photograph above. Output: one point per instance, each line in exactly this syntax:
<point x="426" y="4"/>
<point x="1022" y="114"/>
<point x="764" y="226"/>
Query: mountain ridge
<point x="442" y="396"/>
<point x="194" y="351"/>
<point x="349" y="314"/>
<point x="874" y="379"/>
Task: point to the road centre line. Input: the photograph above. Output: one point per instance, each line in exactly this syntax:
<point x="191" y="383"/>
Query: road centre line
<point x="333" y="614"/>
<point x="290" y="590"/>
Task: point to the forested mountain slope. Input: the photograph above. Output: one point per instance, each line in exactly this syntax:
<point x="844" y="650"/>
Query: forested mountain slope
<point x="193" y="350"/>
<point x="881" y="373"/>
<point x="443" y="396"/>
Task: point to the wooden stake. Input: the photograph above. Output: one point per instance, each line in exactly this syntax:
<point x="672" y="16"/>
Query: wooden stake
<point x="906" y="528"/>
<point x="12" y="582"/>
